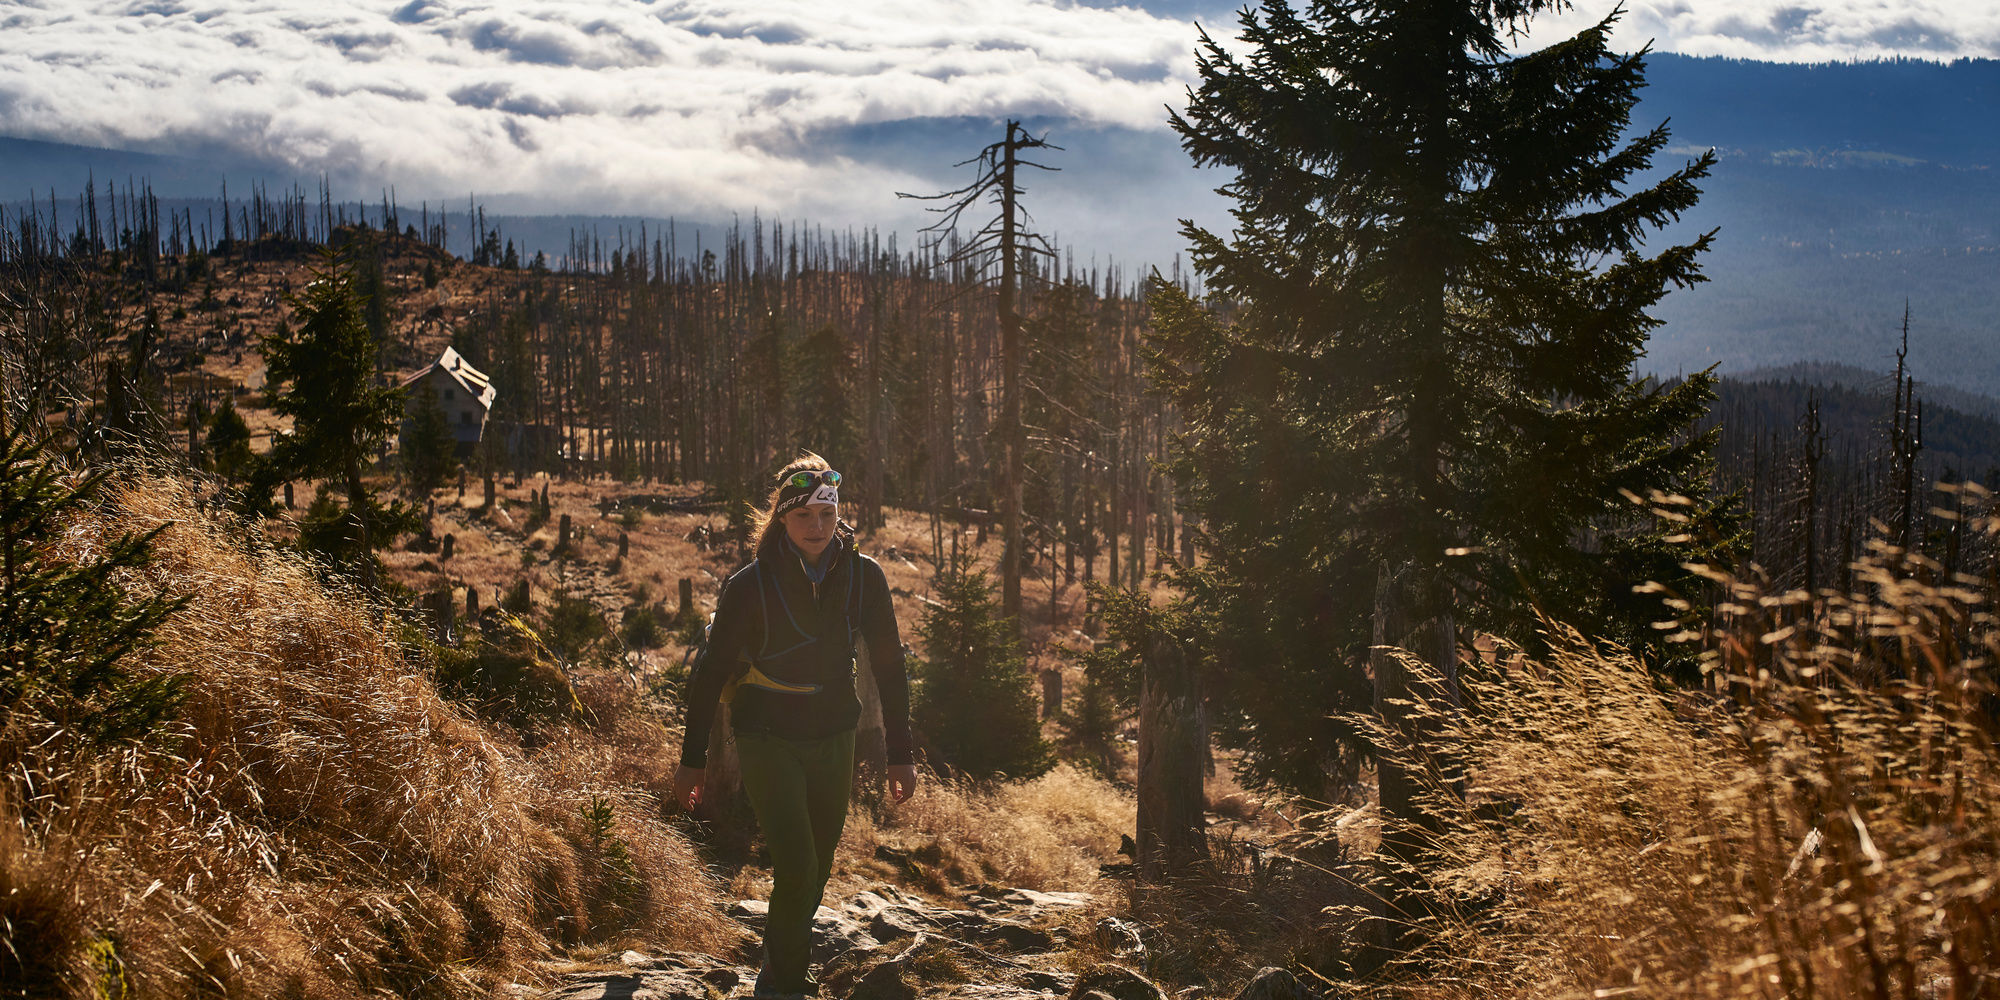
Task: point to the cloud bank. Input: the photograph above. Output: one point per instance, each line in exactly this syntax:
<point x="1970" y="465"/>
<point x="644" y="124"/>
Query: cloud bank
<point x="1799" y="30"/>
<point x="613" y="104"/>
<point x="706" y="106"/>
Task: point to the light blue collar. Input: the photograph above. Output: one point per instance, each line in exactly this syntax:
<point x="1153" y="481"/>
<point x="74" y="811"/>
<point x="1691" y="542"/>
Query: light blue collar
<point x="816" y="572"/>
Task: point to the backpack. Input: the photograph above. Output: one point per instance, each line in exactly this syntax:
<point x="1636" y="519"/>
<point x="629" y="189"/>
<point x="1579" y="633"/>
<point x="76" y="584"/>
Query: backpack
<point x="746" y="671"/>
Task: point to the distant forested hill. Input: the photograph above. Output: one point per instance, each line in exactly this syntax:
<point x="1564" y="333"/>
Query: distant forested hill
<point x="1900" y="110"/>
<point x="1844" y="190"/>
<point x="1762" y="415"/>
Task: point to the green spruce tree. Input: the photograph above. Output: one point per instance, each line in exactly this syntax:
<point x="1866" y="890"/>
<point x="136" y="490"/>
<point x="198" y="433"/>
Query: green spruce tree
<point x="229" y="441"/>
<point x="323" y="376"/>
<point x="67" y="625"/>
<point x="823" y="382"/>
<point x="1422" y="413"/>
<point x="974" y="703"/>
<point x="429" y="448"/>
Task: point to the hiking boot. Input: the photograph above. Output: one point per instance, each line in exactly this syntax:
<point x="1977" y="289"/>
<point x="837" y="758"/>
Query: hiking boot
<point x="767" y="989"/>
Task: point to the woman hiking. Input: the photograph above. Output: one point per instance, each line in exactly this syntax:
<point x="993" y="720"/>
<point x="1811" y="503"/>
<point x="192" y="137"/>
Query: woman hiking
<point x="781" y="652"/>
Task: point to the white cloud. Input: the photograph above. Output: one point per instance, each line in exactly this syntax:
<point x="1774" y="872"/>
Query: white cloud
<point x="709" y="106"/>
<point x="1798" y="30"/>
<point x="613" y="105"/>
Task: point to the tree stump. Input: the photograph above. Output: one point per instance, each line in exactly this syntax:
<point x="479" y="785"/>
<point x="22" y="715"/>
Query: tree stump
<point x="471" y="602"/>
<point x="450" y="545"/>
<point x="519" y="600"/>
<point x="1171" y="835"/>
<point x="624" y="544"/>
<point x="288" y="496"/>
<point x="562" y="534"/>
<point x="1051" y="693"/>
<point x="686" y="613"/>
<point x="439" y="604"/>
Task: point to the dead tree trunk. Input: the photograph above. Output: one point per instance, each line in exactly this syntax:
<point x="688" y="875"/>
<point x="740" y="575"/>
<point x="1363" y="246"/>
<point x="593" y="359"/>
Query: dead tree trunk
<point x="1414" y="657"/>
<point x="1171" y="837"/>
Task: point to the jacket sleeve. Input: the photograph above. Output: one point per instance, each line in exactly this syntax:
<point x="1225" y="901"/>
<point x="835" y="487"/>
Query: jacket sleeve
<point x="885" y="660"/>
<point x="734" y="626"/>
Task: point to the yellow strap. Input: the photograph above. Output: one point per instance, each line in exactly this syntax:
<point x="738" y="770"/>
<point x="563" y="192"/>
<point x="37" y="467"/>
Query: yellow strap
<point x="757" y="678"/>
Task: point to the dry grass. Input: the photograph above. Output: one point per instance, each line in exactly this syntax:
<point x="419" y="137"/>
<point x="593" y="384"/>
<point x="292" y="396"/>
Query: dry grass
<point x="1823" y="822"/>
<point x="319" y="822"/>
<point x="1049" y="833"/>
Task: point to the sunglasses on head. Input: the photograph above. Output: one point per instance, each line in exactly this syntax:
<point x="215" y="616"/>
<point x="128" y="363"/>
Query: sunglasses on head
<point x="807" y="480"/>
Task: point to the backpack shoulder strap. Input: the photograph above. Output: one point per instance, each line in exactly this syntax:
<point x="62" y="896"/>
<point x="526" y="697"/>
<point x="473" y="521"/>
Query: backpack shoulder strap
<point x="763" y="611"/>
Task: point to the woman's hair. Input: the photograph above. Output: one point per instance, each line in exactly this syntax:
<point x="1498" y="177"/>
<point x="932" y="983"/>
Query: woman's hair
<point x="769" y="524"/>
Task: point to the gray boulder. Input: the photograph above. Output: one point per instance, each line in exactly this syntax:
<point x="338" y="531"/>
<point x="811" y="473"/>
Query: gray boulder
<point x="887" y="981"/>
<point x="834" y="933"/>
<point x="1116" y="982"/>
<point x="1271" y="983"/>
<point x="1120" y="938"/>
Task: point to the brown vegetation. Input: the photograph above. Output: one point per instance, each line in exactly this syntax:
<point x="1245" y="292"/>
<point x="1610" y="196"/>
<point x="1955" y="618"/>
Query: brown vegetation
<point x="319" y="822"/>
<point x="1825" y="821"/>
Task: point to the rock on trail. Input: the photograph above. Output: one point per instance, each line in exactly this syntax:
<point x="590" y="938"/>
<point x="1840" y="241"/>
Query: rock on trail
<point x="882" y="944"/>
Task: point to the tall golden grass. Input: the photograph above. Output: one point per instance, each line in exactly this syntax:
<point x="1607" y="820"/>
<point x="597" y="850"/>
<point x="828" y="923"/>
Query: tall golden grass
<point x="1048" y="833"/>
<point x="318" y="821"/>
<point x="1822" y="820"/>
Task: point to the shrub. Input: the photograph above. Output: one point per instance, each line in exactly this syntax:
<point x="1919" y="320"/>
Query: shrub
<point x="974" y="702"/>
<point x="506" y="679"/>
<point x="642" y="629"/>
<point x="66" y="619"/>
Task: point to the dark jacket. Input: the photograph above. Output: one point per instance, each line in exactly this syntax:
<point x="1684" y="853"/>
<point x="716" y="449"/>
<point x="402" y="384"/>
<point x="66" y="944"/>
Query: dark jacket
<point x="771" y="613"/>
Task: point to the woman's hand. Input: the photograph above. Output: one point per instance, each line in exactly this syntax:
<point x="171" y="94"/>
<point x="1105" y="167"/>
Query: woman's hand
<point x="902" y="781"/>
<point x="688" y="782"/>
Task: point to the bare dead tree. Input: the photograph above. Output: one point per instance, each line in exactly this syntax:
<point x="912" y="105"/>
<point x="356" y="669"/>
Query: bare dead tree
<point x="1009" y="236"/>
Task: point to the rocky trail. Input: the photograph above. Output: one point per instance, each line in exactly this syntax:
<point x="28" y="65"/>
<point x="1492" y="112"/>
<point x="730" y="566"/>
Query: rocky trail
<point x="883" y="944"/>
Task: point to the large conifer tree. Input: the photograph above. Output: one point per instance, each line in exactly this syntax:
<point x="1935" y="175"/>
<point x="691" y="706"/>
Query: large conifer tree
<point x="1421" y="410"/>
<point x="323" y="377"/>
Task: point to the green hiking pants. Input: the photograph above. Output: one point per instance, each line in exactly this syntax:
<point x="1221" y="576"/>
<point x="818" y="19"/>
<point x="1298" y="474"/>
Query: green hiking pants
<point x="799" y="791"/>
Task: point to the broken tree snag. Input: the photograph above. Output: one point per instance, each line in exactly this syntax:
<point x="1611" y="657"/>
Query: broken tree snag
<point x="1051" y="693"/>
<point x="1171" y="834"/>
<point x="440" y="605"/>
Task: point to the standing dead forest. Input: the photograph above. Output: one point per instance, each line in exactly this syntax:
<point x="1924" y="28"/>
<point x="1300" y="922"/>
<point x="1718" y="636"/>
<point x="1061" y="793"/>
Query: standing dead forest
<point x="1342" y="614"/>
<point x="641" y="359"/>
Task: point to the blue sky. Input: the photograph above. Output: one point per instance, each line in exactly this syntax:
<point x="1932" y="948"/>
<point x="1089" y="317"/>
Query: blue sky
<point x="817" y="109"/>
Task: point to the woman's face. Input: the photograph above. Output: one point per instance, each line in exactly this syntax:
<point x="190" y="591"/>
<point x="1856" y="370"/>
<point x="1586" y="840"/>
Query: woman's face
<point x="810" y="527"/>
